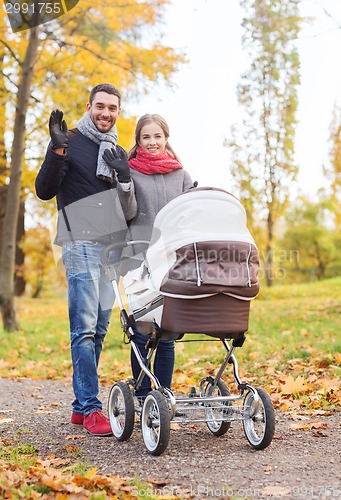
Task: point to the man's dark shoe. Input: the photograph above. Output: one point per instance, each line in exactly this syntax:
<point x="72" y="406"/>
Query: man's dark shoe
<point x="97" y="424"/>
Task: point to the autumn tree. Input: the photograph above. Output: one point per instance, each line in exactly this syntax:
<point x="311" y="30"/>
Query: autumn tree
<point x="3" y="166"/>
<point x="19" y="284"/>
<point x="3" y="162"/>
<point x="310" y="242"/>
<point x="7" y="263"/>
<point x="262" y="146"/>
<point x="333" y="170"/>
<point x="39" y="267"/>
<point x="55" y="65"/>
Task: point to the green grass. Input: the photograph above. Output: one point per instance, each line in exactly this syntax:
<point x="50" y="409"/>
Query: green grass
<point x="41" y="349"/>
<point x="295" y="321"/>
<point x="24" y="455"/>
<point x="288" y="322"/>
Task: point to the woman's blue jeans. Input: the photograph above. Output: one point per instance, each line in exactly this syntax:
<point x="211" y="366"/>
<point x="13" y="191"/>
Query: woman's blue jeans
<point x="163" y="363"/>
<point x="90" y="300"/>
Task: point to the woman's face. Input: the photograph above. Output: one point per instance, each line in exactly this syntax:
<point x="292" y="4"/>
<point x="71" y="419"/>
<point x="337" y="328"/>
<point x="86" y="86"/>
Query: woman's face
<point x="152" y="138"/>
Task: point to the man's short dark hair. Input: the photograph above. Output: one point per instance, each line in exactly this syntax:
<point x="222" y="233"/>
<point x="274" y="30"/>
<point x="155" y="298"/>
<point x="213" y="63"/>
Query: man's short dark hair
<point x="105" y="87"/>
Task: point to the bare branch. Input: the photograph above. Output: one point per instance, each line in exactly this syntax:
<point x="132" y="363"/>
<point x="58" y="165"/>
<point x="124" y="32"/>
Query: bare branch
<point x="332" y="17"/>
<point x="11" y="52"/>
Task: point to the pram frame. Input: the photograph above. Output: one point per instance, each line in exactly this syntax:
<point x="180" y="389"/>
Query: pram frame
<point x="259" y="407"/>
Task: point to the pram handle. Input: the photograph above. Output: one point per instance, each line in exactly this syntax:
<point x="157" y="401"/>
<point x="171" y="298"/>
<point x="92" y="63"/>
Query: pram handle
<point x="120" y="245"/>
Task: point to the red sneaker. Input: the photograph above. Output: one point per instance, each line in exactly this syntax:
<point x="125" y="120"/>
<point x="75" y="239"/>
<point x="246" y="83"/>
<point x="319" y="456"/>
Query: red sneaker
<point x="97" y="424"/>
<point x="77" y="419"/>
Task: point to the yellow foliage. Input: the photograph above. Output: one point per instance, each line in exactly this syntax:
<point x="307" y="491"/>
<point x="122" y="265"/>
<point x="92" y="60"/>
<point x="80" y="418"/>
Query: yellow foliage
<point x="91" y="473"/>
<point x="39" y="260"/>
<point x="337" y="357"/>
<point x="116" y="42"/>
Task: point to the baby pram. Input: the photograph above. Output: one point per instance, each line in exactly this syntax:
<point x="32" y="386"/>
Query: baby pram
<point x="199" y="276"/>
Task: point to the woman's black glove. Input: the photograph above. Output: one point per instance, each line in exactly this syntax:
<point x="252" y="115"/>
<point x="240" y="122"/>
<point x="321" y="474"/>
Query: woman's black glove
<point x="58" y="130"/>
<point x="117" y="163"/>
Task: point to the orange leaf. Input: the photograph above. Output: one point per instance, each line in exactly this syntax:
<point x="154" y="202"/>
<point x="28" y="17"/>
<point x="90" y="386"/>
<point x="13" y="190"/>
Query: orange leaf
<point x="175" y="426"/>
<point x="319" y="425"/>
<point x="308" y="426"/>
<point x="276" y="491"/>
<point x="300" y="427"/>
<point x="5" y="420"/>
<point x="292" y="386"/>
<point x="51" y="483"/>
<point x="75" y="436"/>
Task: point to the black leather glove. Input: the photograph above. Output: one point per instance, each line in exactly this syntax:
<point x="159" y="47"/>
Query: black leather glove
<point x="117" y="163"/>
<point x="58" y="130"/>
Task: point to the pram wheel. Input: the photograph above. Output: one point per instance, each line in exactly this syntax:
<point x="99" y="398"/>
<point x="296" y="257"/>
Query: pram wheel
<point x="155" y="423"/>
<point x="214" y="412"/>
<point x="259" y="424"/>
<point x="121" y="411"/>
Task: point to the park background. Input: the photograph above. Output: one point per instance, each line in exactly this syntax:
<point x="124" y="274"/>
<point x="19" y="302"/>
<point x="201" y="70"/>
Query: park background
<point x="202" y="64"/>
<point x="252" y="95"/>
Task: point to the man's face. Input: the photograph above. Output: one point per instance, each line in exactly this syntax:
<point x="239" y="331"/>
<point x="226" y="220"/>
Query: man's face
<point x="104" y="111"/>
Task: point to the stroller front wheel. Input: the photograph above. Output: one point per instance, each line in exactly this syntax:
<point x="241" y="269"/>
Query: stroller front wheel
<point x="155" y="423"/>
<point x="259" y="420"/>
<point x="121" y="411"/>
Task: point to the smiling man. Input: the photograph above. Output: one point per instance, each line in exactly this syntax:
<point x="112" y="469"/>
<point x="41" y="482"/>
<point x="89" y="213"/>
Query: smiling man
<point x="104" y="109"/>
<point x="94" y="203"/>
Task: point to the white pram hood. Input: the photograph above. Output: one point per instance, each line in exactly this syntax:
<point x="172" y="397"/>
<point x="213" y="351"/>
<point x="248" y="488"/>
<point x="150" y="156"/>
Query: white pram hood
<point x="200" y="214"/>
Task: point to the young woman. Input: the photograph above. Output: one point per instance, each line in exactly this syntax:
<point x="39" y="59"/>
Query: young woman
<point x="157" y="173"/>
<point x="158" y="177"/>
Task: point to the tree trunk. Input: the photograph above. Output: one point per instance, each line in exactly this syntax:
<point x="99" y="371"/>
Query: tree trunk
<point x="7" y="264"/>
<point x="19" y="280"/>
<point x="269" y="252"/>
<point x="19" y="283"/>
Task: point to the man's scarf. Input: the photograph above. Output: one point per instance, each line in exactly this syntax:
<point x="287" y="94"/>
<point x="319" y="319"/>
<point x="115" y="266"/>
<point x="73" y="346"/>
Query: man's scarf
<point x="149" y="163"/>
<point x="87" y="127"/>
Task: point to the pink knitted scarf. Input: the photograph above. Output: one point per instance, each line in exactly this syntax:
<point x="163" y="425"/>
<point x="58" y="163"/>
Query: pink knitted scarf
<point x="148" y="163"/>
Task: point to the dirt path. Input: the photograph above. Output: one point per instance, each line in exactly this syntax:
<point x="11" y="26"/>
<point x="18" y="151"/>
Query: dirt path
<point x="298" y="463"/>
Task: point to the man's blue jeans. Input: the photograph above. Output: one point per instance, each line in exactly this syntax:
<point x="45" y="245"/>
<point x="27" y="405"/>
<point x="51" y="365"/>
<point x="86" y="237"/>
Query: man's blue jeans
<point x="90" y="299"/>
<point x="163" y="363"/>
